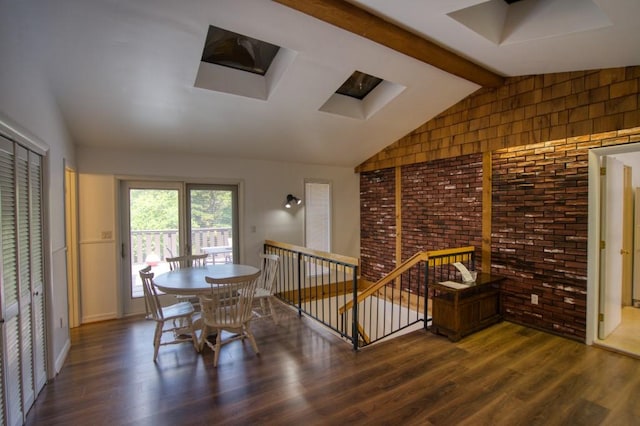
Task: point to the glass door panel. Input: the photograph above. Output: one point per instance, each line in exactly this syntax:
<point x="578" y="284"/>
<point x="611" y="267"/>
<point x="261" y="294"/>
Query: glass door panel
<point x="212" y="219"/>
<point x="154" y="232"/>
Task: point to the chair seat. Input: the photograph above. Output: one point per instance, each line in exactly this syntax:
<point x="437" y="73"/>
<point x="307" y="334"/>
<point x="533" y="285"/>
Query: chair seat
<point x="177" y="310"/>
<point x="178" y="317"/>
<point x="261" y="292"/>
<point x="228" y="308"/>
<point x="264" y="289"/>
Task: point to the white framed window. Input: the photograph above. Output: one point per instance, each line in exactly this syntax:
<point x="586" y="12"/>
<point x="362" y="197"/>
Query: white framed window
<point x="317" y="218"/>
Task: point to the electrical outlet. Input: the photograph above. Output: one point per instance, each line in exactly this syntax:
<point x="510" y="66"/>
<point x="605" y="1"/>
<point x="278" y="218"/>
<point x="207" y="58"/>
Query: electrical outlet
<point x="534" y="299"/>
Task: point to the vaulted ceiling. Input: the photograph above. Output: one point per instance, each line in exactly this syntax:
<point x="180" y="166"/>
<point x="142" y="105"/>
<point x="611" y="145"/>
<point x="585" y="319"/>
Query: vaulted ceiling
<point x="127" y="73"/>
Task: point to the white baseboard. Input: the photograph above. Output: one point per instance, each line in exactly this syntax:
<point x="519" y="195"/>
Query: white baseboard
<point x="62" y="356"/>
<point x="99" y="317"/>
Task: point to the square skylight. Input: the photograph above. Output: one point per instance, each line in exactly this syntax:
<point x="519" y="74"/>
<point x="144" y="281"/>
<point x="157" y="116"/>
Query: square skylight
<point x="515" y="21"/>
<point x="358" y="85"/>
<point x="241" y="65"/>
<point x="229" y="49"/>
<point x="361" y="95"/>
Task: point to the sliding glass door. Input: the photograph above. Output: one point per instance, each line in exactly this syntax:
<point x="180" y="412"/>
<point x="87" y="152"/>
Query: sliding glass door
<point x="152" y="217"/>
<point x="166" y="219"/>
<point x="213" y="221"/>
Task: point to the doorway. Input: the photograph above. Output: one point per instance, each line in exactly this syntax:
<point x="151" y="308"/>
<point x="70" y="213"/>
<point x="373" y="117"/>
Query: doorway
<point x="166" y="219"/>
<point x="612" y="321"/>
<point x="71" y="243"/>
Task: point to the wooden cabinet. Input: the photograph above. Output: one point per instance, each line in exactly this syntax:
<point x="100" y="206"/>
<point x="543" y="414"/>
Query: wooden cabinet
<point x="457" y="312"/>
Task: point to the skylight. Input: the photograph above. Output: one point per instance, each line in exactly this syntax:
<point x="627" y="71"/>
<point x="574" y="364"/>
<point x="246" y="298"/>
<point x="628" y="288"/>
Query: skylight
<point x="361" y="95"/>
<point x="515" y="21"/>
<point x="358" y="85"/>
<point x="241" y="65"/>
<point x="238" y="51"/>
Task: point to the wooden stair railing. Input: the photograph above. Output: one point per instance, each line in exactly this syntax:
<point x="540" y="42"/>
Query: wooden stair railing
<point x="399" y="270"/>
<point x="432" y="257"/>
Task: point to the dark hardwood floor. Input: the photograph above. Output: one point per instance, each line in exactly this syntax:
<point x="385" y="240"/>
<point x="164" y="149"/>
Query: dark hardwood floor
<point x="504" y="375"/>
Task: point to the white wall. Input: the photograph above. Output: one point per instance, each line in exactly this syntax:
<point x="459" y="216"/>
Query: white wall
<point x="264" y="186"/>
<point x="631" y="159"/>
<point x="26" y="103"/>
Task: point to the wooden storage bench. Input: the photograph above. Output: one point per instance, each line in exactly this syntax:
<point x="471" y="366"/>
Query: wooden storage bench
<point x="457" y="312"/>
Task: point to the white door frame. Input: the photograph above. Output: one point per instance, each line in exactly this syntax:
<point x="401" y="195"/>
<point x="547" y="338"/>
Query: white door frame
<point x="71" y="235"/>
<point x="593" y="239"/>
<point x="127" y="304"/>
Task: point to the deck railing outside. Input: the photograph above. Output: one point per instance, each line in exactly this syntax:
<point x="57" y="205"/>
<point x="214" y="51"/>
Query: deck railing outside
<point x="152" y="247"/>
<point x="164" y="243"/>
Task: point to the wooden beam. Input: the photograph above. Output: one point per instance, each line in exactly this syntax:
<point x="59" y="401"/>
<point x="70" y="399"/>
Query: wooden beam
<point x="487" y="191"/>
<point x="365" y="24"/>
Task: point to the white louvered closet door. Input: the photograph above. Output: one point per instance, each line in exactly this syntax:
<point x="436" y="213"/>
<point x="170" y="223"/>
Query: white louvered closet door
<point x="36" y="244"/>
<point x="22" y="331"/>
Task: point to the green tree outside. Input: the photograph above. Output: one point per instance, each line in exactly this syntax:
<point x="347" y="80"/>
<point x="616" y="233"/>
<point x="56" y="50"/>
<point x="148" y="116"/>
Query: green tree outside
<point x="157" y="209"/>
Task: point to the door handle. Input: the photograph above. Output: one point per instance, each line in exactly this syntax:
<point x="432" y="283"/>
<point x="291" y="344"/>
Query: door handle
<point x="623" y="251"/>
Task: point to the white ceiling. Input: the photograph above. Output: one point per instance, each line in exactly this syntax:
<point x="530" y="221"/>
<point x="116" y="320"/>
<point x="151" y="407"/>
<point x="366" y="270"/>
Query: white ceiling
<point x="123" y="72"/>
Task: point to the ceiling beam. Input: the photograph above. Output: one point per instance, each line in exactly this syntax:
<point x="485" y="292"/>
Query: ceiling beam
<point x="363" y="23"/>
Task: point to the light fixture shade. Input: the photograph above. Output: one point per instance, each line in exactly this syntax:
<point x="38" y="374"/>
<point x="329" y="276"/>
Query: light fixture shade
<point x="291" y="200"/>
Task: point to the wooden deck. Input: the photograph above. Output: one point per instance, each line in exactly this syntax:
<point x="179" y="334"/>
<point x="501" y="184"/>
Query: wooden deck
<point x="504" y="375"/>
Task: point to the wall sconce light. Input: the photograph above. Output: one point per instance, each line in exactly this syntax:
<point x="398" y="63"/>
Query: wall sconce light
<point x="291" y="200"/>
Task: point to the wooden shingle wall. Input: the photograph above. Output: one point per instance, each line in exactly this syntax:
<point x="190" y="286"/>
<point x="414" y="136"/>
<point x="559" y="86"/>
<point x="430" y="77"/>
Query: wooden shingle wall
<point x="525" y="110"/>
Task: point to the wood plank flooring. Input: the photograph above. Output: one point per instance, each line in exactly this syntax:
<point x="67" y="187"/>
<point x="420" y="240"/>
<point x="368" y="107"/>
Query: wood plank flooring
<point x="504" y="375"/>
<point x="626" y="336"/>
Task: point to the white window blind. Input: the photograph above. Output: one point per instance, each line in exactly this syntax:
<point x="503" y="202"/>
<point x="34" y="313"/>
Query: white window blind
<point x="317" y="201"/>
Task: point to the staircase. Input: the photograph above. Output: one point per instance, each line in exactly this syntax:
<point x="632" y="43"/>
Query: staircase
<point x="323" y="286"/>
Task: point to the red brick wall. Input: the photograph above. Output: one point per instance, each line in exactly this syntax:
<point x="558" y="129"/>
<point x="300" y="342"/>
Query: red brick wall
<point x="539" y="222"/>
<point x="441" y="208"/>
<point x="539" y="233"/>
<point x="377" y="223"/>
<point x="539" y="203"/>
<point x="442" y="205"/>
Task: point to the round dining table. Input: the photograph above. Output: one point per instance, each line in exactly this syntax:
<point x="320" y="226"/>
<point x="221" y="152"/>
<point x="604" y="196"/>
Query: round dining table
<point x="191" y="281"/>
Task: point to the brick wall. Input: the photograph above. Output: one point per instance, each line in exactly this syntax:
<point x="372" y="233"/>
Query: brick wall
<point x="539" y="229"/>
<point x="441" y="208"/>
<point x="539" y="129"/>
<point x="539" y="233"/>
<point x="442" y="205"/>
<point x="377" y="223"/>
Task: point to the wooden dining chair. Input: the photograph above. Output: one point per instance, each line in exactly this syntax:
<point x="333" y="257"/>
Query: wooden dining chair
<point x="229" y="307"/>
<point x="188" y="261"/>
<point x="175" y="319"/>
<point x="264" y="290"/>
